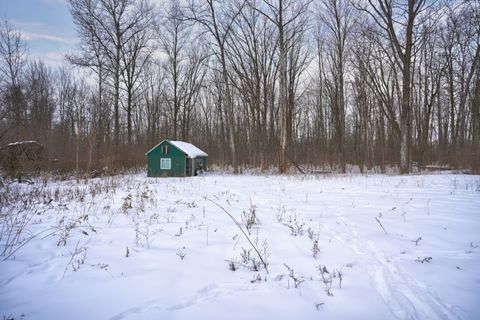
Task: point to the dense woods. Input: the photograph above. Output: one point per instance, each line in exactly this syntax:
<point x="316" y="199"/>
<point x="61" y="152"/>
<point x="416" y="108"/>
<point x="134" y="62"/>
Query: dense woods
<point x="255" y="83"/>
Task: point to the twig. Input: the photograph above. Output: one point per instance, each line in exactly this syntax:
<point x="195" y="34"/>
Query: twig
<point x="71" y="259"/>
<point x="241" y="229"/>
<point x="417" y="241"/>
<point x="381" y="225"/>
<point x="296" y="281"/>
<point x="29" y="239"/>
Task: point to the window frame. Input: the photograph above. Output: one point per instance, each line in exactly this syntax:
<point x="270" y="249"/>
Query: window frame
<point x="163" y="164"/>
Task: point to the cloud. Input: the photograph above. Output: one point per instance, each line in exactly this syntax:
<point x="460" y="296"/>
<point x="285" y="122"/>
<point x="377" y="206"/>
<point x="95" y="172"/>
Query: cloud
<point x="45" y="36"/>
<point x="54" y="56"/>
<point x="51" y="58"/>
<point x="54" y="59"/>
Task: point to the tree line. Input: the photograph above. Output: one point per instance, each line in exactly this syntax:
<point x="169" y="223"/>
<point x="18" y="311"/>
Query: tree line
<point x="256" y="83"/>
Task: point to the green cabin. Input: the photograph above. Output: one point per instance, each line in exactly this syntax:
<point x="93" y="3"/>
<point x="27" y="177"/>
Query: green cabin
<point x="175" y="159"/>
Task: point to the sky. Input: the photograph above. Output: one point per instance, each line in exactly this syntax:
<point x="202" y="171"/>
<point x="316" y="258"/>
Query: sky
<point x="46" y="26"/>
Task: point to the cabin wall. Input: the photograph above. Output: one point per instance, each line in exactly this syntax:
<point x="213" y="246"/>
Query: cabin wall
<point x="176" y="156"/>
<point x="201" y="162"/>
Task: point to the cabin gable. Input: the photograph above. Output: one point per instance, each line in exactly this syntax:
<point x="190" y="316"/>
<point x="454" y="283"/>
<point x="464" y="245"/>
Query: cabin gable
<point x="165" y="159"/>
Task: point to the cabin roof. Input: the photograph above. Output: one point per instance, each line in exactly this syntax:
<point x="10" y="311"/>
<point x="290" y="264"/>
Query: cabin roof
<point x="191" y="150"/>
<point x="188" y="148"/>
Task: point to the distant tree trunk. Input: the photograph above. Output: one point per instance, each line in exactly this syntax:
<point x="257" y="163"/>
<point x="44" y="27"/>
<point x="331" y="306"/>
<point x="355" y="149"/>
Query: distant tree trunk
<point x="289" y="18"/>
<point x="282" y="99"/>
<point x="476" y="113"/>
<point x="386" y="14"/>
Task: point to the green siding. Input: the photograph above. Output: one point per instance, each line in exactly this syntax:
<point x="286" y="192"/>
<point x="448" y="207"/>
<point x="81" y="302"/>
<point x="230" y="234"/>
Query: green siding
<point x="177" y="160"/>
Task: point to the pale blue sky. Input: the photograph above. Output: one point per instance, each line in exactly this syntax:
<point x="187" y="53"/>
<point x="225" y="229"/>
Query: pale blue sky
<point x="46" y="25"/>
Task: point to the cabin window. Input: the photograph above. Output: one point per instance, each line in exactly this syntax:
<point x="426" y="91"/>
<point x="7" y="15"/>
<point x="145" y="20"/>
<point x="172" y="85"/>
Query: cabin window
<point x="165" y="149"/>
<point x="165" y="164"/>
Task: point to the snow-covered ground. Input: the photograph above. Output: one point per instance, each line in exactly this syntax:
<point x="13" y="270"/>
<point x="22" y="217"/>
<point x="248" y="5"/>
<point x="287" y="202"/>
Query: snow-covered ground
<point x="336" y="247"/>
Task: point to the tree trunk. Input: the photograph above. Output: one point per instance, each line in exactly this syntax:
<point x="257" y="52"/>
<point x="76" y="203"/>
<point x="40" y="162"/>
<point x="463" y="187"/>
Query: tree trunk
<point x="282" y="99"/>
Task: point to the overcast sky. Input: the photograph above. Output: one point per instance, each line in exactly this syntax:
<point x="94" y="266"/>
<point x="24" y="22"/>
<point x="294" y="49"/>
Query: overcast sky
<point x="45" y="24"/>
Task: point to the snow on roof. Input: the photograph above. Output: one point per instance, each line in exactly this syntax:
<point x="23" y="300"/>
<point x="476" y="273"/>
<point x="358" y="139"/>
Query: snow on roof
<point x="189" y="149"/>
<point x="186" y="147"/>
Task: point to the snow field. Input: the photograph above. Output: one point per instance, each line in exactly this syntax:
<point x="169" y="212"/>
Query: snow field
<point x="349" y="247"/>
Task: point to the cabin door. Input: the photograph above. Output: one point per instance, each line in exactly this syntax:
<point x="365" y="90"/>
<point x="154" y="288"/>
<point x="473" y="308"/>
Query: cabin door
<point x="188" y="169"/>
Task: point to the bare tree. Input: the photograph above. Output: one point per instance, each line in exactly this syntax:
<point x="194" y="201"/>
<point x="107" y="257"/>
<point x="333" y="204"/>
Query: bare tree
<point x="40" y="100"/>
<point x="135" y="53"/>
<point x="252" y="60"/>
<point x="398" y="23"/>
<point x="213" y="16"/>
<point x="429" y="69"/>
<point x="173" y="33"/>
<point x="289" y="18"/>
<point x="185" y="65"/>
<point x="91" y="56"/>
<point x="111" y="25"/>
<point x="13" y="55"/>
<point x="338" y="18"/>
<point x="153" y="94"/>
